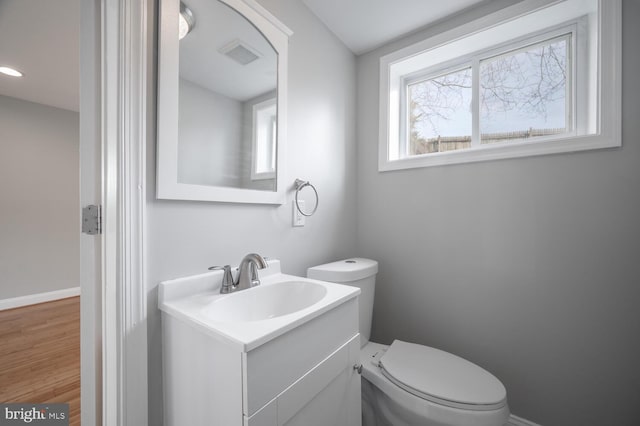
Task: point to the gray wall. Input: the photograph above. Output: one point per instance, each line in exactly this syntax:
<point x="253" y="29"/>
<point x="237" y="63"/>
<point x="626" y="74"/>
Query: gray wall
<point x="39" y="204"/>
<point x="527" y="267"/>
<point x="184" y="238"/>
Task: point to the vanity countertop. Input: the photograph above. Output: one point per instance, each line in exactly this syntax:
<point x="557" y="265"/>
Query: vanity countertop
<point x="191" y="298"/>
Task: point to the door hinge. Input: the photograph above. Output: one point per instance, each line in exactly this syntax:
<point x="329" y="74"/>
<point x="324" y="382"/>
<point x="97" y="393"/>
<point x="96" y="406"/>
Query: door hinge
<point x="92" y="220"/>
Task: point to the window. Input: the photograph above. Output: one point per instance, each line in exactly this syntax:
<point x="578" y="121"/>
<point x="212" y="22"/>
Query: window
<point x="528" y="80"/>
<point x="526" y="93"/>
<point x="264" y="140"/>
<point x="439" y="113"/>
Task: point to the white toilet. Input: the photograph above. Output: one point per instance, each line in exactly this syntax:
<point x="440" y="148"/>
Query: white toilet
<point x="408" y="384"/>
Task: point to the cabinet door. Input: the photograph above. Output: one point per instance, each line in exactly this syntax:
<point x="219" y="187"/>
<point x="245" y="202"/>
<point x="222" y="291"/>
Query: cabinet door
<point x="266" y="416"/>
<point x="327" y="395"/>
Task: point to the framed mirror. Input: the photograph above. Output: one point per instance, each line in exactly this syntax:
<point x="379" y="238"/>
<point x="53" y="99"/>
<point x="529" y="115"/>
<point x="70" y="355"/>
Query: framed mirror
<point x="222" y="71"/>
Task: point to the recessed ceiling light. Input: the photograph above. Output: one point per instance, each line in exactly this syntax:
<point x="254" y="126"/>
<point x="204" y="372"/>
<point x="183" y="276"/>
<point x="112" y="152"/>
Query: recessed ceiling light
<point x="10" y="71"/>
<point x="186" y="21"/>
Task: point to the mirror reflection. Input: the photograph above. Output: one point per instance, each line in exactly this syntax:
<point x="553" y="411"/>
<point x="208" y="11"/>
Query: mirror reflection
<point x="227" y="131"/>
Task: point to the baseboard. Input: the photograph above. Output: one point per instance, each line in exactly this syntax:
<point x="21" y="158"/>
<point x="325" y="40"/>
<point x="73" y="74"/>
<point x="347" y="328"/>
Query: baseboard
<point x="519" y="421"/>
<point x="32" y="299"/>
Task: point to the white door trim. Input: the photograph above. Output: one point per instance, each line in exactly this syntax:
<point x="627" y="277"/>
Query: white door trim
<point x="91" y="342"/>
<point x="114" y="338"/>
<point x="124" y="52"/>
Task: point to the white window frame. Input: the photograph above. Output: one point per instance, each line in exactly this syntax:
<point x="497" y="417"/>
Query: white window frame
<point x="255" y="160"/>
<point x="603" y="130"/>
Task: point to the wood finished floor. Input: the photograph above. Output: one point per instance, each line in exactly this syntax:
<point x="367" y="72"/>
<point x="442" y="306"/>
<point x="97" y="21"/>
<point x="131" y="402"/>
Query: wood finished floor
<point x="40" y="354"/>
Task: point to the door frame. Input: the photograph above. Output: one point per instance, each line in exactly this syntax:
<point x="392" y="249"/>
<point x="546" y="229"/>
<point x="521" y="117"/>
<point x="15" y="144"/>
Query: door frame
<point x="114" y="41"/>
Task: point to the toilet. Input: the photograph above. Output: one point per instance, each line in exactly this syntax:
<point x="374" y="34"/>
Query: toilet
<point x="409" y="384"/>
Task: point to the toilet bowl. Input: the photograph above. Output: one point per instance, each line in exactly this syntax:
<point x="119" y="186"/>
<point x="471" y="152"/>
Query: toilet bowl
<point x="409" y="384"/>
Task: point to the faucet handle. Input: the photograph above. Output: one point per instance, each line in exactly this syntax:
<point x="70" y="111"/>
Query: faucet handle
<point x="255" y="280"/>
<point x="227" y="278"/>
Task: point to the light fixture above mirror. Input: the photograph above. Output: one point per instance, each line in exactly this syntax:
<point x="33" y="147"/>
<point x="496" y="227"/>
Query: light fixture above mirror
<point x="186" y="21"/>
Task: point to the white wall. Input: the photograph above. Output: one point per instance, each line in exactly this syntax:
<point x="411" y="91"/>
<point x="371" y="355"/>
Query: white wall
<point x="184" y="238"/>
<point x="210" y="132"/>
<point x="39" y="205"/>
<point x="527" y="267"/>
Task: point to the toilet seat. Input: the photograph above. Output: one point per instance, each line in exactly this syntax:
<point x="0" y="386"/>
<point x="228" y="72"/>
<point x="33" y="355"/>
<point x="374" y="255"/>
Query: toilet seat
<point x="441" y="377"/>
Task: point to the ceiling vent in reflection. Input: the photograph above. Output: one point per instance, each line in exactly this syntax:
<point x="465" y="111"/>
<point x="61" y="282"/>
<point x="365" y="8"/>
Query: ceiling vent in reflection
<point x="240" y="52"/>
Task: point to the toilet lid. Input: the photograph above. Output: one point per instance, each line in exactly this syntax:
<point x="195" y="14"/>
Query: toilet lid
<point x="442" y="377"/>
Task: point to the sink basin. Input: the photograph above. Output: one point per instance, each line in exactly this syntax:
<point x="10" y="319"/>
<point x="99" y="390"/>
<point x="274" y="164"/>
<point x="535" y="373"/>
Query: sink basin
<point x="249" y="318"/>
<point x="265" y="302"/>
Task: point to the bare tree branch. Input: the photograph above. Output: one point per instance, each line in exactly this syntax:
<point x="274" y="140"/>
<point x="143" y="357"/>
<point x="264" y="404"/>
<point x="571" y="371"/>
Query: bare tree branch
<point x="528" y="81"/>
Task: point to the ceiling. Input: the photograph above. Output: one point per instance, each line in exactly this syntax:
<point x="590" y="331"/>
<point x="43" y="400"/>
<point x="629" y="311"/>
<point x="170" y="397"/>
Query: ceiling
<point x="202" y="63"/>
<point x="40" y="38"/>
<point x="363" y="25"/>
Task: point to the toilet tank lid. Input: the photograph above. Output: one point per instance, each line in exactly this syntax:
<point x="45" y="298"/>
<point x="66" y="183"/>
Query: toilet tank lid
<point x="344" y="271"/>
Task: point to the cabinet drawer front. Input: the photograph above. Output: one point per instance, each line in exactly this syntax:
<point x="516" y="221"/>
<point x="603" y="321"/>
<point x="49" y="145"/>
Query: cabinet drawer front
<point x="276" y="365"/>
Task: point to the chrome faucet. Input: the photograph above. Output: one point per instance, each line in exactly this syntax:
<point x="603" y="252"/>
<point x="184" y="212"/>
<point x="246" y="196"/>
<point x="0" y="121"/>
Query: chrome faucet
<point x="247" y="275"/>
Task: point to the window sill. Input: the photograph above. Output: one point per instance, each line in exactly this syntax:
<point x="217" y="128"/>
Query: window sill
<point x="503" y="151"/>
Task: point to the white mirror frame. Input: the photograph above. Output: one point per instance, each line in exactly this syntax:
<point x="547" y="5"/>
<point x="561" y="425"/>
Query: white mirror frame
<point x="167" y="185"/>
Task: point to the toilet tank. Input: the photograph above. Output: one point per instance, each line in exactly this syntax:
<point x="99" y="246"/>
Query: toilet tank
<point x="356" y="272"/>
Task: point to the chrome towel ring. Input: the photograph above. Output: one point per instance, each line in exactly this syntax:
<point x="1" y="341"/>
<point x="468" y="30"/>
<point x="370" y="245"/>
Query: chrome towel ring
<point x="300" y="184"/>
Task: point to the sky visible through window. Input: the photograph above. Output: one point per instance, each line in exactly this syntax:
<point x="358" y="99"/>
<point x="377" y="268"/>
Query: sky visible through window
<point x="522" y="90"/>
<point x="442" y="106"/>
<point x="525" y="89"/>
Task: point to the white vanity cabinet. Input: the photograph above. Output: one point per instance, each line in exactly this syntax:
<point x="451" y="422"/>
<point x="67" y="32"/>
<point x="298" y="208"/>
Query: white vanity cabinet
<point x="304" y="376"/>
